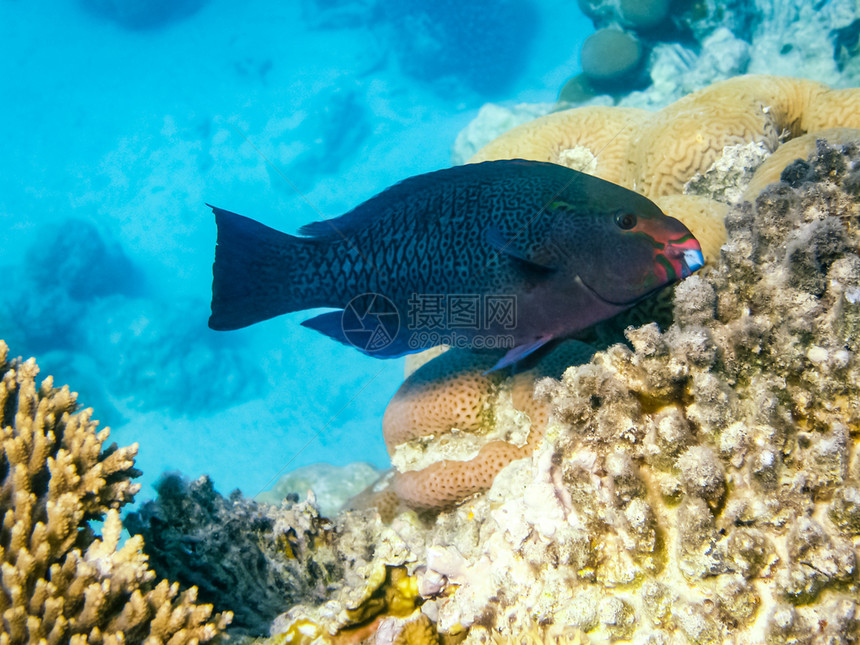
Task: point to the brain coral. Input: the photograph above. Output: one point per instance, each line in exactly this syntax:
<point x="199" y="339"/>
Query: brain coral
<point x="656" y="153"/>
<point x="61" y="583"/>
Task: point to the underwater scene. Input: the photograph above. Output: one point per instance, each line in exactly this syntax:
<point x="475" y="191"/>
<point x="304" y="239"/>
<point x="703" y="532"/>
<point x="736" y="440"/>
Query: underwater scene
<point x="425" y="323"/>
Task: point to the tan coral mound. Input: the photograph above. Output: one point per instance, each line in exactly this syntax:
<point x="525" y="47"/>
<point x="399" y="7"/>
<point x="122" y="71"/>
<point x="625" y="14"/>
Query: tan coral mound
<point x="600" y="134"/>
<point x="60" y="582"/>
<point x="495" y="419"/>
<point x="658" y="153"/>
<point x="800" y="148"/>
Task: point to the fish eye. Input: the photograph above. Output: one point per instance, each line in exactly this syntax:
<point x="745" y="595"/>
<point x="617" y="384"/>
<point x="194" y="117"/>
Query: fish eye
<point x="625" y="221"/>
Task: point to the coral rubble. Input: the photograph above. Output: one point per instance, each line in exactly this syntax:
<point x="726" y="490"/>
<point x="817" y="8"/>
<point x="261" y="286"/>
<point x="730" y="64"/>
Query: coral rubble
<point x="60" y="582"/>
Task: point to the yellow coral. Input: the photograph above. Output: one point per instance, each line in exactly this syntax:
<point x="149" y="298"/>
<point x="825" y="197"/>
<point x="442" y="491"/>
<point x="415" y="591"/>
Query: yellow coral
<point x="603" y="132"/>
<point x="59" y="581"/>
<point x="393" y="594"/>
<point x="657" y="153"/>
<point x="687" y="136"/>
<point x="420" y="631"/>
<point x="800" y="148"/>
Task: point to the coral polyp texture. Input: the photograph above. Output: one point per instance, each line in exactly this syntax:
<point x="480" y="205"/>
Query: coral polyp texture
<point x="494" y="420"/>
<point x="657" y="153"/>
<point x="60" y="581"/>
<point x="700" y="485"/>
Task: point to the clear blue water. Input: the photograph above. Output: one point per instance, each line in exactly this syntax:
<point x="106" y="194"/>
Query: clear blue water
<point x="120" y="120"/>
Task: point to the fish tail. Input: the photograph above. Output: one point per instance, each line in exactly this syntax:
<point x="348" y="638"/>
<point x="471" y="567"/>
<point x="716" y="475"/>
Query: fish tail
<point x="252" y="276"/>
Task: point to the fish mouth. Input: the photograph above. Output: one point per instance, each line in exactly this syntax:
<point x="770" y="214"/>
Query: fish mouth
<point x="684" y="257"/>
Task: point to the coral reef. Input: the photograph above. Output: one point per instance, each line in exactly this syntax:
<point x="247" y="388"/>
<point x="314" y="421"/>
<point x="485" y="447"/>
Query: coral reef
<point x="626" y="32"/>
<point x="700" y="486"/>
<point x="332" y="486"/>
<point x="250" y="558"/>
<point x="705" y="42"/>
<point x="696" y="158"/>
<point x="658" y="153"/>
<point x="61" y="582"/>
<point x="692" y="44"/>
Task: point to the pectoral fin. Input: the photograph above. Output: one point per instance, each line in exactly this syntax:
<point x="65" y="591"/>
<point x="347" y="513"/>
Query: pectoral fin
<point x="519" y="352"/>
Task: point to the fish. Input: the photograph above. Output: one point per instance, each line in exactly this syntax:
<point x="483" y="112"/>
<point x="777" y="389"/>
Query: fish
<point x="503" y="255"/>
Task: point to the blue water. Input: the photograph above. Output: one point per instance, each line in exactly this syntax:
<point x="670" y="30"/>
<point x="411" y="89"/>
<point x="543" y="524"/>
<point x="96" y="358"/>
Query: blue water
<point x="120" y="120"/>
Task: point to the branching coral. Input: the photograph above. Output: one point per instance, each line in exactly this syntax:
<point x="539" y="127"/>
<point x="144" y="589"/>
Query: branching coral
<point x="58" y="581"/>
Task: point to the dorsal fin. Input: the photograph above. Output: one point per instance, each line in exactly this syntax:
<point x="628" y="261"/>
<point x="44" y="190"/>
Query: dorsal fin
<point x="357" y="219"/>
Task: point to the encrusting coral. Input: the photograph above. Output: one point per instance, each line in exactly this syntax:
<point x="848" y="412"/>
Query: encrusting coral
<point x="695" y="158"/>
<point x="59" y="582"/>
<point x="703" y="485"/>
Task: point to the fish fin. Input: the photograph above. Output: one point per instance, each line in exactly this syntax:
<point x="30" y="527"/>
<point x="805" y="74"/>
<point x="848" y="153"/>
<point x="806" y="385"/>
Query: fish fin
<point x="251" y="276"/>
<point x="519" y="352"/>
<point x="497" y="240"/>
<point x="419" y="188"/>
<point x="368" y="335"/>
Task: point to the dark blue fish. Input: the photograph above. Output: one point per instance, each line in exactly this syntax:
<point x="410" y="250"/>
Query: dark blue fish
<point x="503" y="254"/>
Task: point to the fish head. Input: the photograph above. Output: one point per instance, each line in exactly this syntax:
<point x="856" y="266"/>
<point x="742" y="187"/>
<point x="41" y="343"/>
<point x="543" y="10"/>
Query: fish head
<point x="631" y="250"/>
